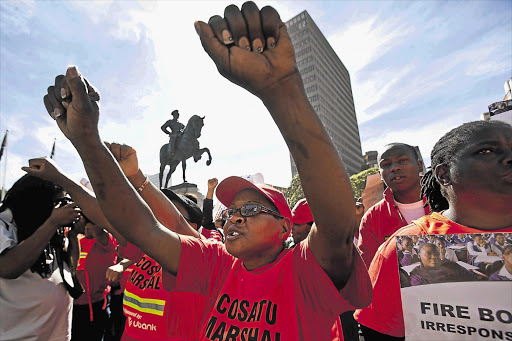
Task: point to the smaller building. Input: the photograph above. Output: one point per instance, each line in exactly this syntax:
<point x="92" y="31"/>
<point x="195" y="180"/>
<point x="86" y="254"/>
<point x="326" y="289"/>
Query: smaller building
<point x="502" y="110"/>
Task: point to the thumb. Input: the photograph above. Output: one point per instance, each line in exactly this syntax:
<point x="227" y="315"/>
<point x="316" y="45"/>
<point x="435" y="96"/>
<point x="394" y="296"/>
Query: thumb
<point x="27" y="169"/>
<point x="78" y="89"/>
<point x="211" y="44"/>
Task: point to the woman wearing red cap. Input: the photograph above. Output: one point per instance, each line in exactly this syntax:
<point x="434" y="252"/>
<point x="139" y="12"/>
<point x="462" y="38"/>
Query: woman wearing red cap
<point x="302" y="221"/>
<point x="253" y="287"/>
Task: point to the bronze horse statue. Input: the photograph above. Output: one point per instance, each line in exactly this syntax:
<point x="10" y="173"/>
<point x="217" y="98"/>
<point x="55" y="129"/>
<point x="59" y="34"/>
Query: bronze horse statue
<point x="187" y="146"/>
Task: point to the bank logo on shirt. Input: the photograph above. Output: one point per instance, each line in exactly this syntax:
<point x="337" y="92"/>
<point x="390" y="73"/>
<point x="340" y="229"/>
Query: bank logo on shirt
<point x="456" y="286"/>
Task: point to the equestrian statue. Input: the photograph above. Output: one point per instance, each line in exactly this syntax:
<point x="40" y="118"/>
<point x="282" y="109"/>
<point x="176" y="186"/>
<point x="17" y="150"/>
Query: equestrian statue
<point x="183" y="144"/>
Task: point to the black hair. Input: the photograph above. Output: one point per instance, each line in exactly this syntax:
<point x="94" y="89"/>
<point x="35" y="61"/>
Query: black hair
<point x="506" y="250"/>
<point x="401" y="145"/>
<point x="445" y="152"/>
<point x="191" y="197"/>
<point x="404" y="238"/>
<point x="31" y="201"/>
<point x="441" y="239"/>
<point x="422" y="246"/>
<point x="194" y="212"/>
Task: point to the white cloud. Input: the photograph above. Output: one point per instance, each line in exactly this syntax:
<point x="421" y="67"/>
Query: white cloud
<point x="15" y="16"/>
<point x="364" y="42"/>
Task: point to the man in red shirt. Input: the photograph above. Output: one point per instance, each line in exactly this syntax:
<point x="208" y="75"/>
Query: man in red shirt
<point x="253" y="287"/>
<point x="400" y="170"/>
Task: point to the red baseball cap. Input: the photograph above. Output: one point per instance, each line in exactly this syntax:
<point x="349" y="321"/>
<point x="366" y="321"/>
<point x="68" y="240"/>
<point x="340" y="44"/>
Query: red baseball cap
<point x="301" y="213"/>
<point x="229" y="187"/>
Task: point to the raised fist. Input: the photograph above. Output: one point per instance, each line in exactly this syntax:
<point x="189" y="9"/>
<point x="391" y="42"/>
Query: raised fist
<point x="74" y="103"/>
<point x="250" y="47"/>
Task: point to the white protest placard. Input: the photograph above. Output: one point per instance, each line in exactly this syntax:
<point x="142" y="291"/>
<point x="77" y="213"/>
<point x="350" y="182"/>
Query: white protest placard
<point x="463" y="300"/>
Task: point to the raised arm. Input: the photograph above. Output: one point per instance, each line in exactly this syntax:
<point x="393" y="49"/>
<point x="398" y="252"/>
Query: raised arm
<point x="77" y="116"/>
<point x="163" y="208"/>
<point x="18" y="259"/>
<point x="208" y="204"/>
<point x="262" y="61"/>
<point x="46" y="168"/>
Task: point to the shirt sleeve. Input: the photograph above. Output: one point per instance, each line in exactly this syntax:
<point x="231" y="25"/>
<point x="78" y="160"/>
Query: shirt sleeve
<point x="320" y="290"/>
<point x="367" y="241"/>
<point x="207" y="212"/>
<point x="7" y="238"/>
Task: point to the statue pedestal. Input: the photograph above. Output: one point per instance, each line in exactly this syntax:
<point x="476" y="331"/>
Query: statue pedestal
<point x="184" y="188"/>
<point x="189" y="188"/>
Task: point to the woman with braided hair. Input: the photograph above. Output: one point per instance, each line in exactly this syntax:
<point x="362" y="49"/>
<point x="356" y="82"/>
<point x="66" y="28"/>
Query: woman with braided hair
<point x="34" y="299"/>
<point x="469" y="188"/>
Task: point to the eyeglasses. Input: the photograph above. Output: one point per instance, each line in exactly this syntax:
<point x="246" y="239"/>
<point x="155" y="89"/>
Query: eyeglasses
<point x="249" y="210"/>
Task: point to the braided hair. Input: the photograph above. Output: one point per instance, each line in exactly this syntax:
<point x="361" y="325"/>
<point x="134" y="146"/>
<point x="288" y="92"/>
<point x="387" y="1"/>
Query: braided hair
<point x="445" y="152"/>
<point x="31" y="201"/>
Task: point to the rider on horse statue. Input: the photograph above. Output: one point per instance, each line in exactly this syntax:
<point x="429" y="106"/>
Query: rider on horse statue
<point x="176" y="130"/>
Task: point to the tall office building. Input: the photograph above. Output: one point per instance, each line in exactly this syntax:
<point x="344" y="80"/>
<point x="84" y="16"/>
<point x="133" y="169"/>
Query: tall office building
<point x="327" y="84"/>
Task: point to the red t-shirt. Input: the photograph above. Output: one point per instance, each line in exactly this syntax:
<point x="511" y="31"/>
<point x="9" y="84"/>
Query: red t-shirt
<point x="153" y="311"/>
<point x="385" y="314"/>
<point x="289" y="299"/>
<point x="92" y="267"/>
<point x="211" y="234"/>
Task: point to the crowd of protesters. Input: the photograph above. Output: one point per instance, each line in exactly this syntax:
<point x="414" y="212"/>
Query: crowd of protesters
<point x="130" y="261"/>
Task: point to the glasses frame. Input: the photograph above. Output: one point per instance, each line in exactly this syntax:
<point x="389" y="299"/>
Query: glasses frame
<point x="230" y="212"/>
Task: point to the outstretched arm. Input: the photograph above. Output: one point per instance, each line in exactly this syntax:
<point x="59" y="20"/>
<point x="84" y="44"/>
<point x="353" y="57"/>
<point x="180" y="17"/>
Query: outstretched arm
<point x="163" y="208"/>
<point x="252" y="48"/>
<point x="46" y="168"/>
<point x="77" y="117"/>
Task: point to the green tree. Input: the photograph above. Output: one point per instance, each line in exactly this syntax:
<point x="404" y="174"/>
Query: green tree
<point x="295" y="192"/>
<point x="358" y="180"/>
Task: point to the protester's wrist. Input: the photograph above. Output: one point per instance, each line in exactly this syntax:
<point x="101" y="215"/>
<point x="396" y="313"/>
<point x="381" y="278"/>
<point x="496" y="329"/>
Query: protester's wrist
<point x="137" y="179"/>
<point x="289" y="87"/>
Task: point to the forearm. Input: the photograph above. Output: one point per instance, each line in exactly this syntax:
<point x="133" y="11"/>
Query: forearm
<point x="163" y="209"/>
<point x="119" y="202"/>
<point x="322" y="174"/>
<point x="21" y="257"/>
<point x="126" y="263"/>
<point x="209" y="194"/>
<point x="88" y="203"/>
<point x="321" y="171"/>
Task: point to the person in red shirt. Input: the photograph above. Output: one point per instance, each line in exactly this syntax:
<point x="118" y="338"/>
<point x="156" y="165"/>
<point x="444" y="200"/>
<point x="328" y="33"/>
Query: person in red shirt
<point x="400" y="169"/>
<point x="97" y="254"/>
<point x="252" y="286"/>
<point x="302" y="221"/>
<point x="470" y="189"/>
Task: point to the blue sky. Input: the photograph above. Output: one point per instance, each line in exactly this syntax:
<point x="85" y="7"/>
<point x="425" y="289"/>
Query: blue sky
<point x="417" y="68"/>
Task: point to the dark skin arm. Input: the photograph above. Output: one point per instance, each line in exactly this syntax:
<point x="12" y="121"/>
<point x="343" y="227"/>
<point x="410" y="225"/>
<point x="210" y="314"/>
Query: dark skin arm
<point x="268" y="72"/>
<point x="119" y="201"/>
<point x="46" y="168"/>
<point x="163" y="209"/>
<point x="18" y="259"/>
<point x="262" y="61"/>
